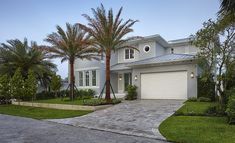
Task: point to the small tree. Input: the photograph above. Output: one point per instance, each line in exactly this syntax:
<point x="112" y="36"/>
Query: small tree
<point x="56" y="83"/>
<point x="216" y="43"/>
<point x="5" y="86"/>
<point x="30" y="86"/>
<point x="17" y="85"/>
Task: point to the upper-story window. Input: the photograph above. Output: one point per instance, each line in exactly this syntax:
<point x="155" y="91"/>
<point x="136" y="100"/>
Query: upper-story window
<point x="146" y="48"/>
<point x="129" y="53"/>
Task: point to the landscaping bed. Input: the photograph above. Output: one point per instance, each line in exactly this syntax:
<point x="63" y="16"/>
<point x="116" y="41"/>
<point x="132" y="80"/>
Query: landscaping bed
<point x="39" y="113"/>
<point x="85" y="102"/>
<point x="196" y="122"/>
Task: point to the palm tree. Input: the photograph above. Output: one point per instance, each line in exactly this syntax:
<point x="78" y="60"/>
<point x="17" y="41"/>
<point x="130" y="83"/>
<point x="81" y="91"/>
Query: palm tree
<point x="16" y="54"/>
<point x="69" y="45"/>
<point x="227" y="7"/>
<point x="108" y="33"/>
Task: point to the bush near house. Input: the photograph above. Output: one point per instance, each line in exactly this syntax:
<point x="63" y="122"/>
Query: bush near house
<point x="131" y="92"/>
<point x="231" y="109"/>
<point x="5" y="94"/>
<point x="206" y="89"/>
<point x="79" y="94"/>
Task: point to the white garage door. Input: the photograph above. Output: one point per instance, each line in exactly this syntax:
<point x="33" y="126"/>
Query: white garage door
<point x="166" y="85"/>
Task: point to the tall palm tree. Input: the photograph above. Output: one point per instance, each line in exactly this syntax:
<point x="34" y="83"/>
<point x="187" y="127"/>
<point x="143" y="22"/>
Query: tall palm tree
<point x="227" y="7"/>
<point x="108" y="33"/>
<point x="69" y="45"/>
<point x="18" y="54"/>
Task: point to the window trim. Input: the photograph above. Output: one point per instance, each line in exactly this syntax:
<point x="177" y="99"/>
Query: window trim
<point x="92" y="78"/>
<point x="145" y="47"/>
<point x="129" y="54"/>
<point x="83" y="71"/>
<point x="86" y="78"/>
<point x="80" y="78"/>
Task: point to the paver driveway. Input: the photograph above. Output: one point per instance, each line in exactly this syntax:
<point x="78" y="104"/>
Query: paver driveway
<point x="140" y="118"/>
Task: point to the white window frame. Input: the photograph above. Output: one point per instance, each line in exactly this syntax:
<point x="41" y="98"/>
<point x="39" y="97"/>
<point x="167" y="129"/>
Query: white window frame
<point x="83" y="70"/>
<point x="80" y="78"/>
<point x="87" y="71"/>
<point x="92" y="83"/>
<point x="129" y="55"/>
<point x="145" y="47"/>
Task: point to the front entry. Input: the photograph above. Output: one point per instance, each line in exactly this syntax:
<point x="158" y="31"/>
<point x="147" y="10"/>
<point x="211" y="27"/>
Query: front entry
<point x="124" y="79"/>
<point x="127" y="80"/>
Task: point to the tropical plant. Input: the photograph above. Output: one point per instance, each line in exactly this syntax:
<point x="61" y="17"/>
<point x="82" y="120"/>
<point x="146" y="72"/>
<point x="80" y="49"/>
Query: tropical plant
<point x="30" y="86"/>
<point x="227" y="7"/>
<point x="55" y="83"/>
<point x="69" y="45"/>
<point x="16" y="54"/>
<point x="108" y="32"/>
<point x="131" y="92"/>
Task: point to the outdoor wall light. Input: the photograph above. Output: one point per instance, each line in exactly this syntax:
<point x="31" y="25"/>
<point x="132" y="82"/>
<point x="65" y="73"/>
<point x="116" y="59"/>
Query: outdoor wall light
<point x="135" y="77"/>
<point x="192" y="75"/>
<point x="120" y="77"/>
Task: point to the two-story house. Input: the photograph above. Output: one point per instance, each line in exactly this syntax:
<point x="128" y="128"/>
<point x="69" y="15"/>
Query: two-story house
<point x="160" y="69"/>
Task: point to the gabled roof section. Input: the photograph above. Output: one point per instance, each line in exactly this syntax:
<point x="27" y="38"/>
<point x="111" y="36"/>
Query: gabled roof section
<point x="178" y="42"/>
<point x="164" y="59"/>
<point x="156" y="37"/>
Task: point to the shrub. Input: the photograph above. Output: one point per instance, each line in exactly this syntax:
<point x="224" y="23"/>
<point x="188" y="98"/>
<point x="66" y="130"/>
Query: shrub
<point x="231" y="109"/>
<point x="206" y="89"/>
<point x="192" y="99"/>
<point x="45" y="95"/>
<point x="203" y="99"/>
<point x="30" y="86"/>
<point x="131" y="92"/>
<point x="85" y="93"/>
<point x="5" y="87"/>
<point x="63" y="93"/>
<point x="55" y="84"/>
<point x="17" y="85"/>
<point x="96" y="102"/>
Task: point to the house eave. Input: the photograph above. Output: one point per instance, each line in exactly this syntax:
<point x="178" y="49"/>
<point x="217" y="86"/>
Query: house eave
<point x="179" y="62"/>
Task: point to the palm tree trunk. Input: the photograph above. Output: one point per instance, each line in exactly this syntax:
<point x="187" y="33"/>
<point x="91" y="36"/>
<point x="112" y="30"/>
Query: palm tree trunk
<point x="107" y="93"/>
<point x="71" y="63"/>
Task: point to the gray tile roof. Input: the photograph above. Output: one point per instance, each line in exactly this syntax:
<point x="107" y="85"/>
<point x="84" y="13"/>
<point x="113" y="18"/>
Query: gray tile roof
<point x="164" y="59"/>
<point x="120" y="66"/>
<point x="155" y="60"/>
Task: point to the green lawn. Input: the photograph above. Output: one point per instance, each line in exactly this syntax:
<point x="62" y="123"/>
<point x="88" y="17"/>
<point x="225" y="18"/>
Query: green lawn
<point x="195" y="108"/>
<point x="39" y="113"/>
<point x="184" y="128"/>
<point x="198" y="129"/>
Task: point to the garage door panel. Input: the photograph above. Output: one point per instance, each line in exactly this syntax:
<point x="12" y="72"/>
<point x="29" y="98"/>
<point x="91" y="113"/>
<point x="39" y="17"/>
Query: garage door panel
<point x="167" y="85"/>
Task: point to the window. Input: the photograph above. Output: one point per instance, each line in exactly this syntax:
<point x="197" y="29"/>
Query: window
<point x="93" y="72"/>
<point x="87" y="78"/>
<point x="129" y="54"/>
<point x="147" y="48"/>
<point x="172" y="50"/>
<point x="80" y="78"/>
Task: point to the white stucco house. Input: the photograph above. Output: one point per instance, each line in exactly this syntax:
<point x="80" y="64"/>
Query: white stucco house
<point x="160" y="69"/>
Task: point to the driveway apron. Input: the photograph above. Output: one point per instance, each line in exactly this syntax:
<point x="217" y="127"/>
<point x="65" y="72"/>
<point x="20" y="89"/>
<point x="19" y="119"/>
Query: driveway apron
<point x="138" y="118"/>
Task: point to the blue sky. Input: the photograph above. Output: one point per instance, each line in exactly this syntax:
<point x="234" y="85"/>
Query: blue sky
<point x="35" y="19"/>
